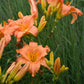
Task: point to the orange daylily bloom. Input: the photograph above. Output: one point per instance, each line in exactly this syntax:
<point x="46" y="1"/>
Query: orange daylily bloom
<point x="35" y="55"/>
<point x="24" y="26"/>
<point x="34" y="10"/>
<point x="5" y="36"/>
<point x="66" y="10"/>
<point x="6" y="31"/>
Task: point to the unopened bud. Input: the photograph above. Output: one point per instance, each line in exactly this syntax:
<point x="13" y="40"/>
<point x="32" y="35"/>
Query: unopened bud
<point x="57" y="7"/>
<point x="0" y="70"/>
<point x="11" y="67"/>
<point x="57" y="66"/>
<point x="42" y="24"/>
<point x="43" y="4"/>
<point x="21" y="73"/>
<point x="49" y="10"/>
<point x="58" y="15"/>
<point x="14" y="71"/>
<point x="63" y="68"/>
<point x="20" y="15"/>
<point x="48" y="62"/>
<point x="52" y="58"/>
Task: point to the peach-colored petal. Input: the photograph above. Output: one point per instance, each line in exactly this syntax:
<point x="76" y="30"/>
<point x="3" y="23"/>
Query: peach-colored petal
<point x="67" y="9"/>
<point x="22" y="59"/>
<point x="33" y="31"/>
<point x="33" y="44"/>
<point x="2" y="45"/>
<point x="18" y="35"/>
<point x="23" y="52"/>
<point x="34" y="9"/>
<point x="7" y="39"/>
<point x="43" y="62"/>
<point x="34" y="68"/>
<point x="74" y="18"/>
<point x="47" y="48"/>
<point x="78" y="12"/>
<point x="28" y="20"/>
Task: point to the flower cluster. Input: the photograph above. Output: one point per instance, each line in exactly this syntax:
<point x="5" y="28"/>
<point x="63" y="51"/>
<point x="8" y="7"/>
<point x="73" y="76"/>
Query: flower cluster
<point x="32" y="55"/>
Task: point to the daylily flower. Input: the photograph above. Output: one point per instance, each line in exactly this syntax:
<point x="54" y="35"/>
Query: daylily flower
<point x="4" y="33"/>
<point x="62" y="9"/>
<point x="34" y="10"/>
<point x="24" y="26"/>
<point x="35" y="55"/>
<point x="5" y="36"/>
<point x="66" y="10"/>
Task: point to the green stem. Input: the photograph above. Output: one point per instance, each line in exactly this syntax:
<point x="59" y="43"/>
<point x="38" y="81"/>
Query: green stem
<point x="33" y="80"/>
<point x="49" y="35"/>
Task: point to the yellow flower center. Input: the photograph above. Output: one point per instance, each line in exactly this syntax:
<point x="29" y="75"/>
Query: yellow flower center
<point x="24" y="27"/>
<point x="33" y="56"/>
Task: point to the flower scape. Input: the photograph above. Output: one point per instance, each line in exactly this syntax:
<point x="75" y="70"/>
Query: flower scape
<point x="32" y="56"/>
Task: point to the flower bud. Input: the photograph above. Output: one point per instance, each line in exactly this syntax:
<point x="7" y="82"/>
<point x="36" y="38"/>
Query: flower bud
<point x="22" y="72"/>
<point x="52" y="58"/>
<point x="58" y="15"/>
<point x="57" y="7"/>
<point x="10" y="68"/>
<point x="49" y="10"/>
<point x="63" y="68"/>
<point x="0" y="70"/>
<point x="42" y="24"/>
<point x="14" y="71"/>
<point x="20" y="15"/>
<point x="48" y="62"/>
<point x="57" y="66"/>
<point x="43" y="4"/>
